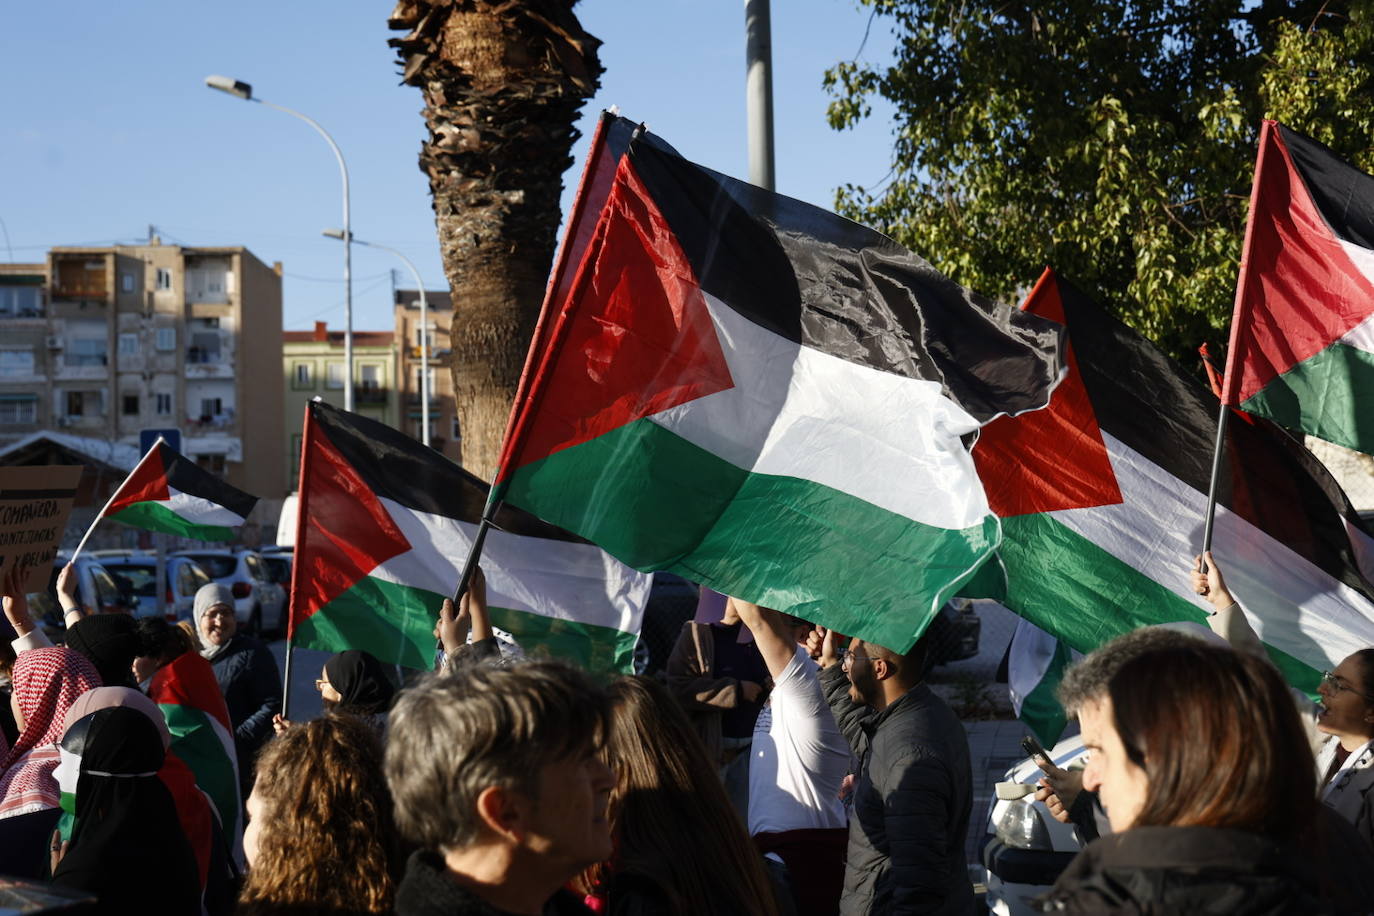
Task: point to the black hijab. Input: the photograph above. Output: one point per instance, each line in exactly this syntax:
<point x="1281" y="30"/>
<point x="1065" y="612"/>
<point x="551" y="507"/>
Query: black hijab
<point x="126" y="821"/>
<point x="362" y="682"/>
<point x="110" y="641"/>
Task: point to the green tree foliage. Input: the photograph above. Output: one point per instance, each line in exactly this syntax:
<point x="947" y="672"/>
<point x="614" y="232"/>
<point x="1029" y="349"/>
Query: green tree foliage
<point x="1115" y="141"/>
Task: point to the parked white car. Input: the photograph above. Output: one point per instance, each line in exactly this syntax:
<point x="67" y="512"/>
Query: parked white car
<point x="184" y="578"/>
<point x="1026" y="848"/>
<point x="259" y="603"/>
<point x="96" y="590"/>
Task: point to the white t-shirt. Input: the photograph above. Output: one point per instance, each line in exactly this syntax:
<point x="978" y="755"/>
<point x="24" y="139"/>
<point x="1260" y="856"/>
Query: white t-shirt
<point x="799" y="756"/>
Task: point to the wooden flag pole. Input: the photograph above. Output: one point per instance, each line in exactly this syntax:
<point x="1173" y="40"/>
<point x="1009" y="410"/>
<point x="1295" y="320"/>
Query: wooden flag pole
<point x="109" y="502"/>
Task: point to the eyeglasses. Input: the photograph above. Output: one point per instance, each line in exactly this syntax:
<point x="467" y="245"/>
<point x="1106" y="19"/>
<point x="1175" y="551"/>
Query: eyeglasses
<point x="1337" y="683"/>
<point x="849" y="659"/>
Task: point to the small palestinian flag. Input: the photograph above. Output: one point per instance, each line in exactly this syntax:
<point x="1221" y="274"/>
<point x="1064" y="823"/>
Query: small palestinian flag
<point x="384" y="528"/>
<point x="763" y="397"/>
<point x="202" y="735"/>
<point x="167" y="492"/>
<point x="1103" y="496"/>
<point x="1302" y="337"/>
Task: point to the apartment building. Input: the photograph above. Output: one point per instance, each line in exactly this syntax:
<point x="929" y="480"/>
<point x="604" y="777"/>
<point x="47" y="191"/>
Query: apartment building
<point x="444" y="434"/>
<point x="313" y="364"/>
<point x="102" y="342"/>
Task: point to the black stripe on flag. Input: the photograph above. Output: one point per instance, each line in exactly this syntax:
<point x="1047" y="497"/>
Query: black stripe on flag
<point x="825" y="282"/>
<point x="1342" y="193"/>
<point x="190" y="478"/>
<point x="1149" y="403"/>
<point x="399" y="468"/>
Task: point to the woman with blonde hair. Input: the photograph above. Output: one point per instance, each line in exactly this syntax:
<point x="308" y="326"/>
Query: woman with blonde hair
<point x="320" y="836"/>
<point x="666" y="799"/>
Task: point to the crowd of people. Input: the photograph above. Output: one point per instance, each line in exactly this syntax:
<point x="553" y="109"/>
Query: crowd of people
<point x="778" y="768"/>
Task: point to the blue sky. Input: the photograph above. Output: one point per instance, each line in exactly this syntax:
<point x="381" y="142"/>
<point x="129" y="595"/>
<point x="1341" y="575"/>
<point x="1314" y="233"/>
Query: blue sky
<point x="108" y="126"/>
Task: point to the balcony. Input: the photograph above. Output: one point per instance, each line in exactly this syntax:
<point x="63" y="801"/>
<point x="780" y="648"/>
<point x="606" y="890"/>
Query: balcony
<point x="203" y="356"/>
<point x="371" y="394"/>
<point x="210" y="422"/>
<point x="80" y="278"/>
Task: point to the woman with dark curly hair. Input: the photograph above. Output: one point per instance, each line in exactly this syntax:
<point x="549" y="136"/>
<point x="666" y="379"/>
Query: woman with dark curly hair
<point x="320" y="836"/>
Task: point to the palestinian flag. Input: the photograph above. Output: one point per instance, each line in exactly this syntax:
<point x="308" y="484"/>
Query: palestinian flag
<point x="384" y="528"/>
<point x="202" y="735"/>
<point x="763" y="397"/>
<point x="1103" y="495"/>
<point x="1302" y="337"/>
<point x="167" y="492"/>
<point x="1036" y="663"/>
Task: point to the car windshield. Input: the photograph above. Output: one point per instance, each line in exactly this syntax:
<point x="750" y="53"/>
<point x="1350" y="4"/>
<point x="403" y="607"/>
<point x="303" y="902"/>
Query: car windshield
<point x="279" y="569"/>
<point x="140" y="578"/>
<point x="218" y="567"/>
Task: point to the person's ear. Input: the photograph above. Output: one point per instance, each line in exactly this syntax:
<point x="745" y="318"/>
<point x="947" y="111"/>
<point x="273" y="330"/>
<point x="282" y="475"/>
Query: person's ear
<point x="882" y="668"/>
<point x="501" y="812"/>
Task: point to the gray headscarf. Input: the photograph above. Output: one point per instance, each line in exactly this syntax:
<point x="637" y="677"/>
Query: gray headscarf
<point x="207" y="597"/>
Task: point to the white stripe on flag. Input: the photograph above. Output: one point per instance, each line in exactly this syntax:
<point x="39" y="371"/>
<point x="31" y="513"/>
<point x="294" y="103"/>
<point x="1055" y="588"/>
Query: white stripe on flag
<point x="200" y="511"/>
<point x="1032" y="650"/>
<point x="569" y="581"/>
<point x="796" y="412"/>
<point x="1293" y="605"/>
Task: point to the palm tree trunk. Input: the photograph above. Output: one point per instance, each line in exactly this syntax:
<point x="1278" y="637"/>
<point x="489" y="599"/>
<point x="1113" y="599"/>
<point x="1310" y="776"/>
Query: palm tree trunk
<point x="503" y="81"/>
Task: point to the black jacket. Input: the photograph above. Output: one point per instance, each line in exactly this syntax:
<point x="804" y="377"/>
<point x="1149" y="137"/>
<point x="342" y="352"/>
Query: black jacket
<point x="248" y="677"/>
<point x="426" y="890"/>
<point x="1162" y="870"/>
<point x="912" y="801"/>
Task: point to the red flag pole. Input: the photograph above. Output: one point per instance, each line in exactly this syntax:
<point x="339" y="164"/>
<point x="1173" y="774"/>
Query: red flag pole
<point x="302" y="513"/>
<point x="1238" y="316"/>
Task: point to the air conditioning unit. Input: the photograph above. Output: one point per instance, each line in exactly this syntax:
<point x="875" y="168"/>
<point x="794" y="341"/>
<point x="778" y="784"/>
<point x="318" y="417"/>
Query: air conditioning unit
<point x="54" y="343"/>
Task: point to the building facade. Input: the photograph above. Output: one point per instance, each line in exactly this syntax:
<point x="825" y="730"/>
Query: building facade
<point x="313" y="366"/>
<point x="444" y="434"/>
<point x="103" y="342"/>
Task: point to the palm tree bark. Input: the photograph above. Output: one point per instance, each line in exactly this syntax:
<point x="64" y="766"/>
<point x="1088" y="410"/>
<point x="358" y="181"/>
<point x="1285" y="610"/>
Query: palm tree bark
<point x="503" y="81"/>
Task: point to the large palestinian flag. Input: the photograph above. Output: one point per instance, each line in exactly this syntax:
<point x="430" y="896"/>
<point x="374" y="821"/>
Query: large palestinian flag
<point x="1103" y="495"/>
<point x="1302" y="337"/>
<point x="763" y="397"/>
<point x="384" y="528"/>
<point x="167" y="492"/>
<point x="202" y="735"/>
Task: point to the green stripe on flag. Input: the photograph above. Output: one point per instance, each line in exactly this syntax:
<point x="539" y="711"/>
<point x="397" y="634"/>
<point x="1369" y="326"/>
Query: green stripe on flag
<point x="1070" y="587"/>
<point x="1321" y="396"/>
<point x="662" y="502"/>
<point x="593" y="647"/>
<point x="153" y="516"/>
<point x="196" y="742"/>
<point x="1040" y="709"/>
<point x="393" y="622"/>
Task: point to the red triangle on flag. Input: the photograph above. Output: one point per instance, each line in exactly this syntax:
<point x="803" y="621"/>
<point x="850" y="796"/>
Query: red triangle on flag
<point x="344" y="531"/>
<point x="634" y="338"/>
<point x="1053" y="458"/>
<point x="147" y="483"/>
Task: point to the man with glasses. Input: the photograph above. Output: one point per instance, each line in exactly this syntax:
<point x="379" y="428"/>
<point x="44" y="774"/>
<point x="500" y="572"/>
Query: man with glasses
<point x="914" y="790"/>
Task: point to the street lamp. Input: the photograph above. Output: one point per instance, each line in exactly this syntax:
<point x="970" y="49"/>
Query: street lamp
<point x="245" y="91"/>
<point x="343" y="235"/>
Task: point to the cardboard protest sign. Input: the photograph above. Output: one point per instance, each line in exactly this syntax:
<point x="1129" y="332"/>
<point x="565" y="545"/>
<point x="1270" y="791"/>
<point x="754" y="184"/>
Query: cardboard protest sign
<point x="34" y="505"/>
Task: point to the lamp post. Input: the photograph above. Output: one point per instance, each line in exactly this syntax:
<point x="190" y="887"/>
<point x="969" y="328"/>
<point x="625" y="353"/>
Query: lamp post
<point x="342" y="235"/>
<point x="245" y="91"/>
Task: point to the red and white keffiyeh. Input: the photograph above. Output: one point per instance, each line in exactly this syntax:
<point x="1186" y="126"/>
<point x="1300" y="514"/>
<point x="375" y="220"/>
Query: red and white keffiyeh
<point x="46" y="683"/>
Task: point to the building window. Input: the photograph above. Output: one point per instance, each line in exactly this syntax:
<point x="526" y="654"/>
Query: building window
<point x="419" y="382"/>
<point x="210" y="408"/>
<point x="16" y="363"/>
<point x="370" y="376"/>
<point x="130" y="407"/>
<point x="301" y="377"/>
<point x="457" y="434"/>
<point x="126" y="282"/>
<point x="18" y="409"/>
<point x="85" y="351"/>
<point x="85" y="403"/>
<point x="334" y="375"/>
<point x="128" y="344"/>
<point x="166" y="338"/>
<point x="204" y="347"/>
<point x="164" y="278"/>
<point x="212" y="463"/>
<point x="163" y="404"/>
<point x="20" y="302"/>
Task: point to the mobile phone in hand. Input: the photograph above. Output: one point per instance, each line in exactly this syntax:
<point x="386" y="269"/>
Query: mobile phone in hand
<point x="1034" y="748"/>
